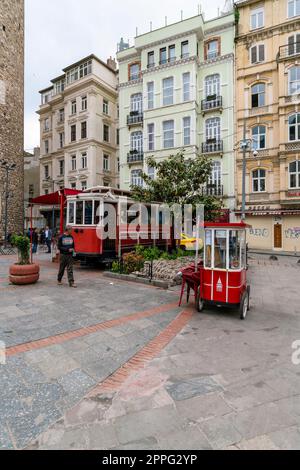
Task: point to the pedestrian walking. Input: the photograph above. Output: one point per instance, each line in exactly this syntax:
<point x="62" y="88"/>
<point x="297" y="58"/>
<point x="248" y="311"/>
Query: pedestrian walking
<point x="35" y="241"/>
<point x="48" y="238"/>
<point x="66" y="248"/>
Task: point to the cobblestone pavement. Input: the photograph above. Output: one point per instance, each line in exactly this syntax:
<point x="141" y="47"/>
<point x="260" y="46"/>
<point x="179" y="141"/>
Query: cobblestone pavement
<point x="148" y="375"/>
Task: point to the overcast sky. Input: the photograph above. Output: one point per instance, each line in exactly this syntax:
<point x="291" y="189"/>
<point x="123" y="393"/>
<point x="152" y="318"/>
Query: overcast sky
<point x="61" y="32"/>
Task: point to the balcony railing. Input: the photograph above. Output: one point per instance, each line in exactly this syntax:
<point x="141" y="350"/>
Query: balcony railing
<point x="135" y="118"/>
<point x="212" y="102"/>
<point x="289" y="50"/>
<point x="170" y="60"/>
<point x="213" y="190"/>
<point x="135" y="156"/>
<point x="212" y="146"/>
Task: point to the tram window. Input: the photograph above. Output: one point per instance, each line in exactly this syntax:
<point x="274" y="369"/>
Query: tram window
<point x="234" y="249"/>
<point x="97" y="212"/>
<point x="132" y="216"/>
<point x="79" y="213"/>
<point x="208" y="245"/>
<point x="71" y="212"/>
<point x="220" y="249"/>
<point x="88" y="213"/>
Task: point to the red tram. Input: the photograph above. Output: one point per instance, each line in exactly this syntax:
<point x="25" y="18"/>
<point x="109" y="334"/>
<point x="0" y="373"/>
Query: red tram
<point x="106" y="223"/>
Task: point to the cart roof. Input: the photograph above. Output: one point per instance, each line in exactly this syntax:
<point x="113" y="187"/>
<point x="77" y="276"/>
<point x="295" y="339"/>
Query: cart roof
<point x="234" y="225"/>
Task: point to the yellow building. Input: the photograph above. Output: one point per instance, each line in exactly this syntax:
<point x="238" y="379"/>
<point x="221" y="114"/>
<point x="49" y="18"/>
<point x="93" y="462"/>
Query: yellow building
<point x="268" y="99"/>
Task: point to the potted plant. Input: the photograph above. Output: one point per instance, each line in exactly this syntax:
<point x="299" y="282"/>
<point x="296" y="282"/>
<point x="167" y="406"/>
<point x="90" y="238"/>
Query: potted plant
<point x="23" y="272"/>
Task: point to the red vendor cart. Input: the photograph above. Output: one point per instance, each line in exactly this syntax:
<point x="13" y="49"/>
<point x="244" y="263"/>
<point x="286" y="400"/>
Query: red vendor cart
<point x="223" y="276"/>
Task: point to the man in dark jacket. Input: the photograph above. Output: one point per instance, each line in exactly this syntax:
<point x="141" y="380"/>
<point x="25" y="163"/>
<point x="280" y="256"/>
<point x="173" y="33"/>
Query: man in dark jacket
<point x="66" y="247"/>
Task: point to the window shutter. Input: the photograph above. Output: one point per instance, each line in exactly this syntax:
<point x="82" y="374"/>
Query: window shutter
<point x="253" y="55"/>
<point x="261" y="53"/>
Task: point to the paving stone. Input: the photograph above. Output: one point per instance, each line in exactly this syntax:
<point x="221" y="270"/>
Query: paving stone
<point x="5" y="440"/>
<point x="203" y="407"/>
<point x="182" y="390"/>
<point x="220" y="432"/>
<point x="188" y="439"/>
<point x="258" y="443"/>
<point x="76" y="381"/>
<point x="102" y="436"/>
<point x="287" y="438"/>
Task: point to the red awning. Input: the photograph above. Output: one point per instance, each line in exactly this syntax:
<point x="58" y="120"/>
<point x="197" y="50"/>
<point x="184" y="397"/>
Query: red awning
<point x="53" y="199"/>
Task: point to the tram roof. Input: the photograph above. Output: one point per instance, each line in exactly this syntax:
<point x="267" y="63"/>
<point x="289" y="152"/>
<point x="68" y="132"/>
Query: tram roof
<point x="234" y="225"/>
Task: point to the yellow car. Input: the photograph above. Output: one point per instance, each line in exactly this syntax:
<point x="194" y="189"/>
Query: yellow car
<point x="189" y="243"/>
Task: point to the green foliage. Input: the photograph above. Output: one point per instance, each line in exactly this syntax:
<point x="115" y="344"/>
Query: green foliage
<point x="22" y="243"/>
<point x="149" y="254"/>
<point x="236" y="15"/>
<point x="132" y="262"/>
<point x="115" y="267"/>
<point x="179" y="180"/>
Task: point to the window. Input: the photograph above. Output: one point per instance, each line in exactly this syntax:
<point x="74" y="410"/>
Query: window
<point x="172" y="57"/>
<point x="79" y="72"/>
<point x="257" y="18"/>
<point x="136" y="103"/>
<point x="46" y="146"/>
<point x="186" y="80"/>
<point x="84" y="130"/>
<point x="134" y="71"/>
<point x="88" y="212"/>
<point x="257" y="53"/>
<point x="220" y="243"/>
<point x="136" y="178"/>
<point x="46" y="171"/>
<point x="294" y="174"/>
<point x="150" y="93"/>
<point x="73" y="133"/>
<point x="61" y="139"/>
<point x="259" y="181"/>
<point x="186" y="131"/>
<point x="168" y="91"/>
<point x="118" y="137"/>
<point x="73" y="186"/>
<point x="46" y="192"/>
<point x="105" y="107"/>
<point x="168" y="134"/>
<point x="294" y="44"/>
<point x="212" y="49"/>
<point x="259" y="137"/>
<point x="73" y="107"/>
<point x="73" y="163"/>
<point x="151" y="137"/>
<point x="84" y="162"/>
<point x="150" y="59"/>
<point x="151" y="172"/>
<point x="106" y="162"/>
<point x="215" y="178"/>
<point x="83" y="187"/>
<point x="213" y="130"/>
<point x="294" y="80"/>
<point x="212" y="86"/>
<point x="136" y="141"/>
<point x="84" y="103"/>
<point x="294" y="127"/>
<point x="185" y="49"/>
<point x="258" y="95"/>
<point x="61" y="116"/>
<point x="293" y="8"/>
<point x="47" y="125"/>
<point x="61" y="167"/>
<point x="106" y="133"/>
<point x="163" y="55"/>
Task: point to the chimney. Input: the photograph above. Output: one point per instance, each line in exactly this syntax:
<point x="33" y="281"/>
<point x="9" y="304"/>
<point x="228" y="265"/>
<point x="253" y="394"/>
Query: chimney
<point x="112" y="63"/>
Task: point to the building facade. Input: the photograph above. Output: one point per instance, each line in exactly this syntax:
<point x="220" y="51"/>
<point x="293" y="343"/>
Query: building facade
<point x="32" y="188"/>
<point x="79" y="127"/>
<point x="176" y="92"/>
<point x="268" y="100"/>
<point x="11" y="113"/>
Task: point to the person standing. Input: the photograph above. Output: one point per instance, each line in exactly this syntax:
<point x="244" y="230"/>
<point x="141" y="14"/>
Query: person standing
<point x="66" y="248"/>
<point x="35" y="241"/>
<point x="48" y="239"/>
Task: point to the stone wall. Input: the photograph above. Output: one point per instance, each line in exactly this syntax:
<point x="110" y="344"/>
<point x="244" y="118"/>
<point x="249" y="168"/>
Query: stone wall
<point x="12" y="109"/>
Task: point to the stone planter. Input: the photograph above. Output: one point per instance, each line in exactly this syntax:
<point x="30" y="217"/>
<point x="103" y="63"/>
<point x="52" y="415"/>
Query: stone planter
<point x="21" y="275"/>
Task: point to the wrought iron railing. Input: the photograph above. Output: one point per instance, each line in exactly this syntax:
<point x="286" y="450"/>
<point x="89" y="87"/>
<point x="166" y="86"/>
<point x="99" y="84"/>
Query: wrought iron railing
<point x="211" y="102"/>
<point x="212" y="146"/>
<point x="135" y="156"/>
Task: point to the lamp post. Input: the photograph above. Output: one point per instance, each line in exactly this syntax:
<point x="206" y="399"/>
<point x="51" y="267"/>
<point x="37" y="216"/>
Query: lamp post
<point x="7" y="167"/>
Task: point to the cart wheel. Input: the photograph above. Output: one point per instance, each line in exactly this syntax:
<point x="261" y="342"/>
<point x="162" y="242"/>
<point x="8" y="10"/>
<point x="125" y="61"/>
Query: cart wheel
<point x="244" y="305"/>
<point x="199" y="302"/>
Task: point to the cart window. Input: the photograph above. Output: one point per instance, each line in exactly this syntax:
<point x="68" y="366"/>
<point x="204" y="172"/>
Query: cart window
<point x="234" y="249"/>
<point x="71" y="217"/>
<point x="88" y="213"/>
<point x="220" y="249"/>
<point x="208" y="248"/>
<point x="79" y="213"/>
<point x="97" y="212"/>
<point x="243" y="249"/>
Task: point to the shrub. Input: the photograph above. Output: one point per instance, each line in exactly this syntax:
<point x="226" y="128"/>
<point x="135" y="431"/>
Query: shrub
<point x="149" y="254"/>
<point x="115" y="267"/>
<point x="132" y="262"/>
<point x="22" y="243"/>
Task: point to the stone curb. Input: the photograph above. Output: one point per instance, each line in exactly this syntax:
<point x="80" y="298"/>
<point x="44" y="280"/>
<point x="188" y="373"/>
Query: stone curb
<point x="140" y="280"/>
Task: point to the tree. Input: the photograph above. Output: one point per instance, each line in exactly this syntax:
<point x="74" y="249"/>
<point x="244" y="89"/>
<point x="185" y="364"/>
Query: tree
<point x="178" y="181"/>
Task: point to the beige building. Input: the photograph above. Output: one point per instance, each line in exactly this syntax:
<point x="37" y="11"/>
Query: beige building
<point x="79" y="127"/>
<point x="11" y="113"/>
<point x="32" y="188"/>
<point x="268" y="98"/>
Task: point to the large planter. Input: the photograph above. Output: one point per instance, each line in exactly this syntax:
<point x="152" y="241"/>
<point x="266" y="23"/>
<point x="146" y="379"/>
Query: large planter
<point x="21" y="275"/>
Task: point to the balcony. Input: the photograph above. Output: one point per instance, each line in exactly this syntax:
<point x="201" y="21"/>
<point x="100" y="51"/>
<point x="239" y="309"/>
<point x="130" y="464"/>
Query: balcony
<point x="135" y="118"/>
<point x="288" y="51"/>
<point x="135" y="156"/>
<point x="212" y="146"/>
<point x="216" y="190"/>
<point x="212" y="102"/>
<point x="170" y="60"/>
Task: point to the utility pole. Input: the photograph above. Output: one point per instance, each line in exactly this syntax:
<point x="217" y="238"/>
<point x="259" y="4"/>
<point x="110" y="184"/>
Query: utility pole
<point x="244" y="147"/>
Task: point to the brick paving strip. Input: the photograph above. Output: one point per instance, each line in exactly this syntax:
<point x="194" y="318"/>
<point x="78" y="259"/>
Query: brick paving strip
<point x="146" y="354"/>
<point x="62" y="337"/>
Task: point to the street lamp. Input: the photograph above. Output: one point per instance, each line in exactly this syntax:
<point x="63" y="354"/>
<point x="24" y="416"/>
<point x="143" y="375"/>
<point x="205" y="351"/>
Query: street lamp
<point x="7" y="167"/>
